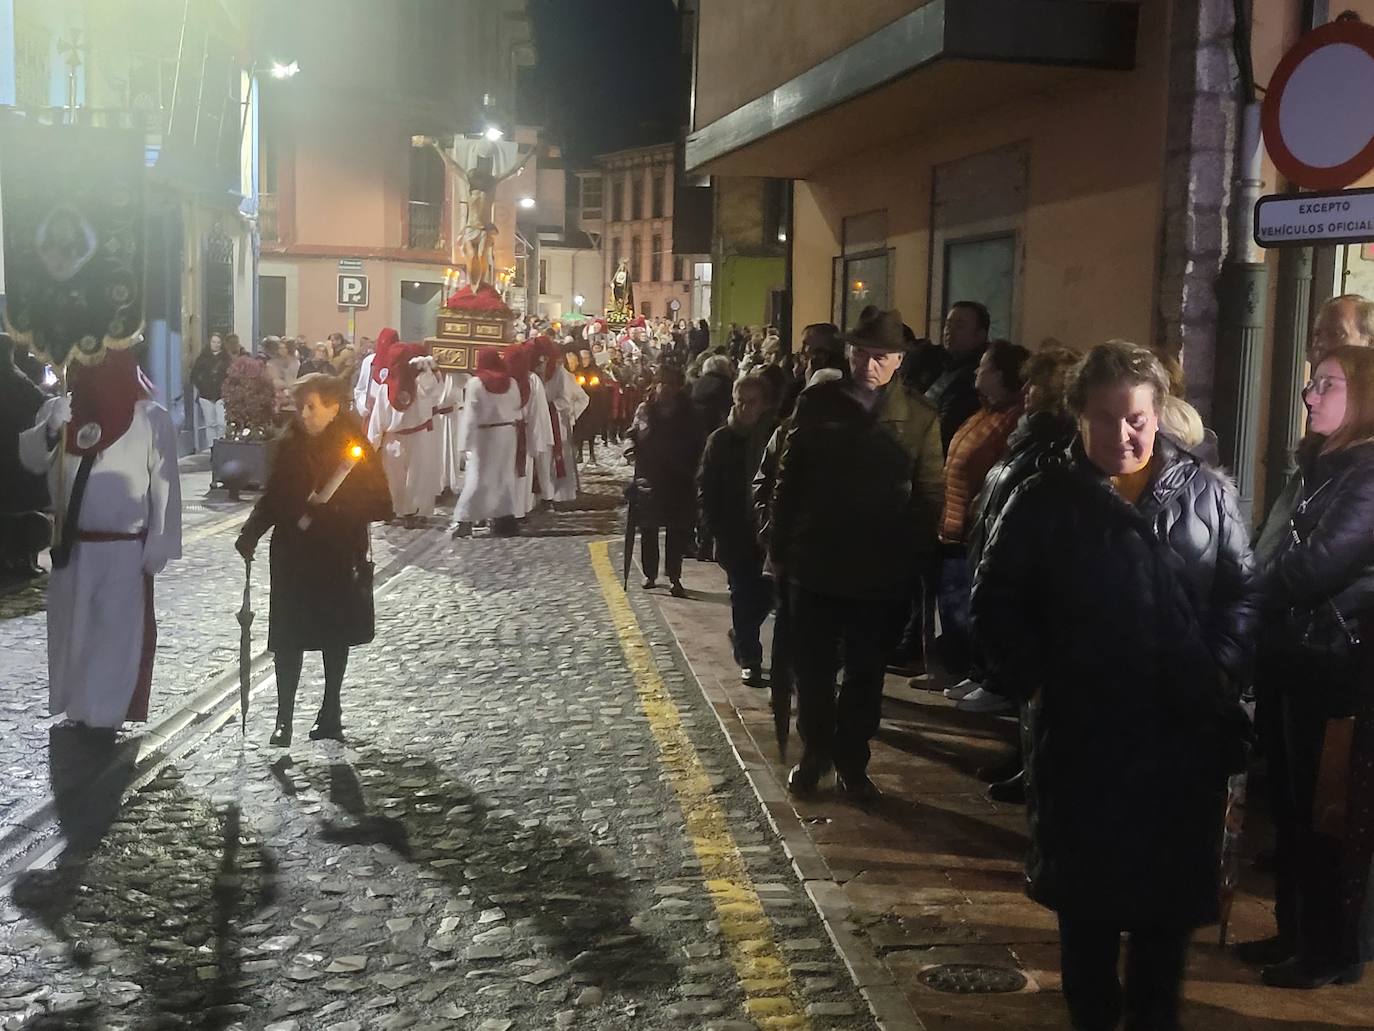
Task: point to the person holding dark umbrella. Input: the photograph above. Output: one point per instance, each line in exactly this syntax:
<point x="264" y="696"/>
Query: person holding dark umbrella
<point x="326" y="487"/>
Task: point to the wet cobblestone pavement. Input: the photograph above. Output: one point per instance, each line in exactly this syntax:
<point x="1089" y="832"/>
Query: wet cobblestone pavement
<point x="500" y="845"/>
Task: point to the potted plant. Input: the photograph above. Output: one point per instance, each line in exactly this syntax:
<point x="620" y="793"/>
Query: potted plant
<point x="243" y="457"/>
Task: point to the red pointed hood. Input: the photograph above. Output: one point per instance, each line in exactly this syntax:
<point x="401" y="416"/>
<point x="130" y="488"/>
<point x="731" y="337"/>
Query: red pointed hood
<point x="103" y="400"/>
<point x="492" y="371"/>
<point x="387" y="339"/>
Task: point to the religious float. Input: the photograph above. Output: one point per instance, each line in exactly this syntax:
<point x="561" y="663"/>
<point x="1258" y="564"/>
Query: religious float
<point x="469" y="321"/>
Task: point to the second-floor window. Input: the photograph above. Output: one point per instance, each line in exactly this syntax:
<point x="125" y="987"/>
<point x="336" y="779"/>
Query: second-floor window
<point x="591" y="193"/>
<point x="617" y="252"/>
<point x="426" y="208"/>
<point x="659" y="190"/>
<point x="617" y="201"/>
<point x="656" y="269"/>
<point x="637" y="259"/>
<point x="636" y="195"/>
<point x="679" y="269"/>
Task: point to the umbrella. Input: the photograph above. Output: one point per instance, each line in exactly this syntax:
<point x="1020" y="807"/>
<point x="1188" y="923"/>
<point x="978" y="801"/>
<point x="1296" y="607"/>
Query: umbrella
<point x="780" y="684"/>
<point x="631" y="495"/>
<point x="1233" y="825"/>
<point x="245" y="615"/>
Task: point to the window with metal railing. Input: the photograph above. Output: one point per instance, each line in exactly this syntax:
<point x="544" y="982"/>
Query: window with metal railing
<point x="268" y="229"/>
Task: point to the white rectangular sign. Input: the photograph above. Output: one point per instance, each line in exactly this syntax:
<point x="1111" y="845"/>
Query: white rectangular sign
<point x="1344" y="217"/>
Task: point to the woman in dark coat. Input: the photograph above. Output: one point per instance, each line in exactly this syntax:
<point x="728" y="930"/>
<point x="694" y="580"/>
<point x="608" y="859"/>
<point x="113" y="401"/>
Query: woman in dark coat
<point x="1317" y="555"/>
<point x="1117" y="598"/>
<point x="668" y="444"/>
<point x="321" y="572"/>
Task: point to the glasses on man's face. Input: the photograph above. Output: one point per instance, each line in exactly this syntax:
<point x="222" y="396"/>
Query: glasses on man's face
<point x="1322" y="385"/>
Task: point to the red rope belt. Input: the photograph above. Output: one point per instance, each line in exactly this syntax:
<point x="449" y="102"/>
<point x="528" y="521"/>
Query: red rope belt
<point x="425" y="426"/>
<point x="102" y="537"/>
<point x="560" y="466"/>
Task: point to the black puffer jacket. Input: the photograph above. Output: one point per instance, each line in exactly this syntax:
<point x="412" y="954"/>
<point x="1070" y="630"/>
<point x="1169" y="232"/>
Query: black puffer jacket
<point x="1124" y="628"/>
<point x="954" y="395"/>
<point x="1037" y="438"/>
<point x="724" y="491"/>
<point x="1330" y="503"/>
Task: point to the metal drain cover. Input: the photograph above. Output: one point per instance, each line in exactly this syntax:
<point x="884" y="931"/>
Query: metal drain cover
<point x="972" y="979"/>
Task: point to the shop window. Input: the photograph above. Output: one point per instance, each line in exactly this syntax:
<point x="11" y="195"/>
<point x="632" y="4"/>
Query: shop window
<point x="983" y="270"/>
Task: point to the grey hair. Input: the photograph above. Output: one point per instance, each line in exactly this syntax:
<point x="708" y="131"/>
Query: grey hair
<point x="1117" y="363"/>
<point x="718" y="363"/>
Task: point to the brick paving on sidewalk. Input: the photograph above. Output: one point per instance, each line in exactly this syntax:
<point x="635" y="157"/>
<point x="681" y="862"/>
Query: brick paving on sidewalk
<point x="934" y="874"/>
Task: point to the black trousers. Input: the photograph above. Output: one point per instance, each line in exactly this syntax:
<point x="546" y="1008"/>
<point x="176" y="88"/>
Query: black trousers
<point x="288" y="662"/>
<point x="1308" y="865"/>
<point x="676" y="538"/>
<point x="751" y="599"/>
<point x="1155" y="957"/>
<point x="828" y="634"/>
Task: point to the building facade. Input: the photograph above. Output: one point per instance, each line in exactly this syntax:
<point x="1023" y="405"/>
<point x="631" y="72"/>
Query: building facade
<point x="1084" y="171"/>
<point x="178" y="75"/>
<point x="637" y="187"/>
<point x="341" y="180"/>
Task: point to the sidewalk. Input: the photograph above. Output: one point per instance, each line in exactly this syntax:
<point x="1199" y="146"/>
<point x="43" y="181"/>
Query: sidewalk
<point x="934" y="875"/>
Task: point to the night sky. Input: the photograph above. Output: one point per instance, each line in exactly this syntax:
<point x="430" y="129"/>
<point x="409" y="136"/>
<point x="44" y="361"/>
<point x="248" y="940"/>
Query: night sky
<point x="609" y="72"/>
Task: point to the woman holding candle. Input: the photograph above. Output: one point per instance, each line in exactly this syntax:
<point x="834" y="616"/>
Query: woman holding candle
<point x="326" y="486"/>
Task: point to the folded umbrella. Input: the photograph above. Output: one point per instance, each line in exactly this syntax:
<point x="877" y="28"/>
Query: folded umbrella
<point x="245" y="617"/>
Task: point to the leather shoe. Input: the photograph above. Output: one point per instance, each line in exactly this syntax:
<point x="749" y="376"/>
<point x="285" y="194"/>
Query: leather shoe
<point x="752" y="676"/>
<point x="1265" y="952"/>
<point x="326" y="730"/>
<point x="677" y="590"/>
<point x="281" y="737"/>
<point x="1294" y="973"/>
<point x="649" y="585"/>
<point x="804" y="780"/>
<point x="1011" y="791"/>
<point x="857" y="788"/>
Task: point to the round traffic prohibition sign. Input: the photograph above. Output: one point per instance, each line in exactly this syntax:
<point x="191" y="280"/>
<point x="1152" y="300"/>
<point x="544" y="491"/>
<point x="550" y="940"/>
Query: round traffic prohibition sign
<point x="1318" y="114"/>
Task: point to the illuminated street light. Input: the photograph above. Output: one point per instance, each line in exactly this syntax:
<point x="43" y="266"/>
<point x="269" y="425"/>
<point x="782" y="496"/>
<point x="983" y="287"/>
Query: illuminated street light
<point x="285" y="71"/>
<point x="579" y="300"/>
<point x="527" y="203"/>
<point x="493" y="133"/>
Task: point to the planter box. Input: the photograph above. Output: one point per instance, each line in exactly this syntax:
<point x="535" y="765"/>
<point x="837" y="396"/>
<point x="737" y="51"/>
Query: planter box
<point x="242" y="463"/>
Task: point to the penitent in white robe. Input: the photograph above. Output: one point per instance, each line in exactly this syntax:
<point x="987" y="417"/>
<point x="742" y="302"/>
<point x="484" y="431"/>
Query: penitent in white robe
<point x="568" y="401"/>
<point x="101" y="629"/>
<point x="404" y="440"/>
<point x="449" y="423"/>
<point x="539" y="437"/>
<point x="491" y="489"/>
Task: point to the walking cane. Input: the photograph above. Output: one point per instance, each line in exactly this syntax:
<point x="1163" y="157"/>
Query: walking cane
<point x="245" y="617"/>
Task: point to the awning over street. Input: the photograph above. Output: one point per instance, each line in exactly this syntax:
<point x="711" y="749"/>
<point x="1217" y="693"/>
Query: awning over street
<point x="944" y="61"/>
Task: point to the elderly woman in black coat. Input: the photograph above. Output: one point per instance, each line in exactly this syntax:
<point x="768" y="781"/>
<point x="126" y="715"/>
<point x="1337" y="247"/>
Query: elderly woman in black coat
<point x="1116" y="596"/>
<point x="1316" y="558"/>
<point x="321" y="571"/>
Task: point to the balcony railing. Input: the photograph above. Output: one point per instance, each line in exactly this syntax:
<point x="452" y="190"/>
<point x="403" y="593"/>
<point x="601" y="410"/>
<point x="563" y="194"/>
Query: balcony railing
<point x="426" y="232"/>
<point x="268" y="229"/>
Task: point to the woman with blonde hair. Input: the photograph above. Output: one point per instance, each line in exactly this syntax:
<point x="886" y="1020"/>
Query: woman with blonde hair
<point x="1317" y="564"/>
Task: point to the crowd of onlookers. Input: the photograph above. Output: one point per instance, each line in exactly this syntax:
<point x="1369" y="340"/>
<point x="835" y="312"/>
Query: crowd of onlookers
<point x="1052" y="531"/>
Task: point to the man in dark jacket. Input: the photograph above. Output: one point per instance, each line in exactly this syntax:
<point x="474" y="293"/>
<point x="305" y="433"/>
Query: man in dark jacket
<point x="858" y="492"/>
<point x="667" y="450"/>
<point x="23" y="495"/>
<point x="724" y="484"/>
<point x="1117" y="596"/>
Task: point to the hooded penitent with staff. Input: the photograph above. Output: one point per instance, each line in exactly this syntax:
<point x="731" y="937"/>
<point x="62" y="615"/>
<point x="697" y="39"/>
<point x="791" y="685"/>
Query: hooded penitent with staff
<point x="74" y="271"/>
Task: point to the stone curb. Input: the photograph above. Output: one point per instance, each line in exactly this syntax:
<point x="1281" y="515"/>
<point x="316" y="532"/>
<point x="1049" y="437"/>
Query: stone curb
<point x="886" y="1001"/>
<point x="28" y="842"/>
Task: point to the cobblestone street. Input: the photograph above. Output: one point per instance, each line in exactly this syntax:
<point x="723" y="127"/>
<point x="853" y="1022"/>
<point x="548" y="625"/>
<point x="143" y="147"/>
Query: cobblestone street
<point x="536" y="822"/>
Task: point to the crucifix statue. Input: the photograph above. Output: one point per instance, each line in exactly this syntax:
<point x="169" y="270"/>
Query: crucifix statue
<point x="481" y="166"/>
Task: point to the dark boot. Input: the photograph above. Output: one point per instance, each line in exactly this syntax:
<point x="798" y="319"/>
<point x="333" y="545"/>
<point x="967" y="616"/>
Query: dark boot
<point x="329" y="722"/>
<point x="288" y="669"/>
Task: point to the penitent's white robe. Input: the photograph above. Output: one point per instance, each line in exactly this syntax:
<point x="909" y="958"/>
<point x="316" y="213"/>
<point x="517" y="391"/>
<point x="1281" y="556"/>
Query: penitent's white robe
<point x="491" y="489"/>
<point x="410" y="460"/>
<point x="569" y="401"/>
<point x="449" y="424"/>
<point x="101" y="629"/>
<point x="539" y="438"/>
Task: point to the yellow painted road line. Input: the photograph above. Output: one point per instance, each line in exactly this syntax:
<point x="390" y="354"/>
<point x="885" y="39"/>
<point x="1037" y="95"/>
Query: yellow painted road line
<point x="770" y="995"/>
<point x="218" y="526"/>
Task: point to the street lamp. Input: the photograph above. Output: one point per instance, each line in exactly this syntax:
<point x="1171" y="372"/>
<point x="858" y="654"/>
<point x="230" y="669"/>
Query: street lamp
<point x="493" y="133"/>
<point x="285" y="71"/>
<point x="527" y="203"/>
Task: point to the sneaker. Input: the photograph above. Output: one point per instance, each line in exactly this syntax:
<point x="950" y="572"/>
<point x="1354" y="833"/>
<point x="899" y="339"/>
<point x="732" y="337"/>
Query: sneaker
<point x="962" y="690"/>
<point x="982" y="701"/>
<point x="752" y="676"/>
